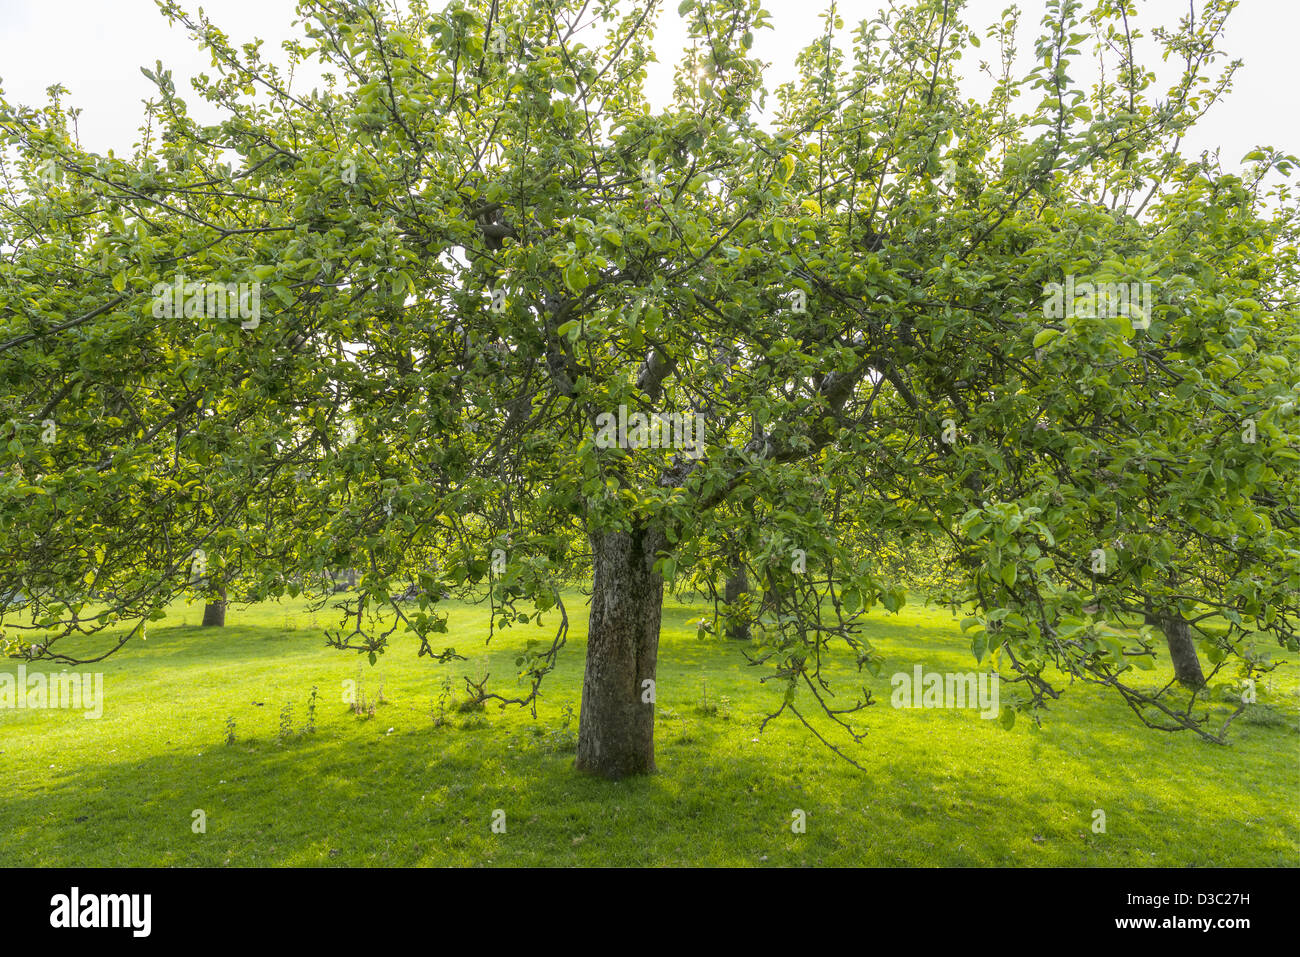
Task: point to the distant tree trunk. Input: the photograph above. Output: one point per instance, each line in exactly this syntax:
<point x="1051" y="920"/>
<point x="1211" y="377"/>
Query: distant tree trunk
<point x="616" y="726"/>
<point x="214" y="612"/>
<point x="737" y="585"/>
<point x="1182" y="650"/>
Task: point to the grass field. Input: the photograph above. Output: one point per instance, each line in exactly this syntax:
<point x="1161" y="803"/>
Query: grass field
<point x="941" y="787"/>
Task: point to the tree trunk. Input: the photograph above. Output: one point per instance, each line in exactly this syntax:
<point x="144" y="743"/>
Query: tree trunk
<point x="616" y="726"/>
<point x="1182" y="650"/>
<point x="214" y="612"/>
<point x="737" y="585"/>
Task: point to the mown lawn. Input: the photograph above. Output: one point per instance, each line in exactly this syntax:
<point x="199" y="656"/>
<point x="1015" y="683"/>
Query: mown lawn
<point x="941" y="787"/>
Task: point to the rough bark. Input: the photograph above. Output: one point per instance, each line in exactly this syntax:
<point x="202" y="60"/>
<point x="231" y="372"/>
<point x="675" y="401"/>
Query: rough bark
<point x="214" y="612"/>
<point x="737" y="585"/>
<point x="616" y="726"/>
<point x="1182" y="650"/>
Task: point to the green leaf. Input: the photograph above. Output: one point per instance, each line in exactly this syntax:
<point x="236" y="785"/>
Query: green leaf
<point x="575" y="277"/>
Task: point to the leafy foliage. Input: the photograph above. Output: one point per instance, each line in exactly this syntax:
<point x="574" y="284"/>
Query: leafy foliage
<point x="479" y="237"/>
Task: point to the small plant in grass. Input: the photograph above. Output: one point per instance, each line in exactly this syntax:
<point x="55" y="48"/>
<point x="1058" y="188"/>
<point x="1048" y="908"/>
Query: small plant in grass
<point x="286" y="723"/>
<point x="713" y="709"/>
<point x="441" y="705"/>
<point x="670" y="714"/>
<point x="362" y="706"/>
<point x="230" y="729"/>
<point x="562" y="739"/>
<point x="311" y="711"/>
<point x="705" y="707"/>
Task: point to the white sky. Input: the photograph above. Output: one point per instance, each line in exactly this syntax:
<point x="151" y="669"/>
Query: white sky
<point x="96" y="47"/>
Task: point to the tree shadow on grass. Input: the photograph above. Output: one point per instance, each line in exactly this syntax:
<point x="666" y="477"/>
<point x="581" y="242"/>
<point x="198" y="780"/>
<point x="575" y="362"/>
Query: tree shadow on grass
<point x="352" y="796"/>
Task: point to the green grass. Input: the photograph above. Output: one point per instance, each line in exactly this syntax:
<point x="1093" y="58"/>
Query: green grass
<point x="941" y="787"/>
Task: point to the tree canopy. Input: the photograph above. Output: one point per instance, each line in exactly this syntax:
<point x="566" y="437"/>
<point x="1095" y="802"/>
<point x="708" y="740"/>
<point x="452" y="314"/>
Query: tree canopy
<point x="477" y="238"/>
